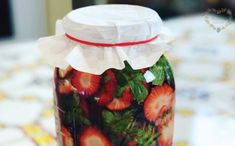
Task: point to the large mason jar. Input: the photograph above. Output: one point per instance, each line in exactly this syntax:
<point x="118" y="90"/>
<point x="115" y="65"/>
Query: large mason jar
<point x="113" y="85"/>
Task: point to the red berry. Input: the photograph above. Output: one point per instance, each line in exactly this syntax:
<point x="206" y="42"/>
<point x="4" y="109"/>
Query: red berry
<point x="132" y="143"/>
<point x="65" y="87"/>
<point x="104" y="98"/>
<point x="93" y="137"/>
<point x="109" y="87"/>
<point x="85" y="83"/>
<point x="67" y="139"/>
<point x="159" y="98"/>
<point x="123" y="102"/>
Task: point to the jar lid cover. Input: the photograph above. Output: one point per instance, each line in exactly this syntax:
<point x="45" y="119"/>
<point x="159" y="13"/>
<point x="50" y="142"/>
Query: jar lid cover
<point x="80" y="33"/>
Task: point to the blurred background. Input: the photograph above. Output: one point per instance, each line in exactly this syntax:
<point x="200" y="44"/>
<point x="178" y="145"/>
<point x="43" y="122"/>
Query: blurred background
<point x="203" y="58"/>
<point x="28" y="19"/>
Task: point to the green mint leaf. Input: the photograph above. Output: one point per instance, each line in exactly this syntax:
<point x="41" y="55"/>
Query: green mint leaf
<point x="138" y="90"/>
<point x="146" y="137"/>
<point x="168" y="71"/>
<point x="119" y="91"/>
<point x="138" y="77"/>
<point x="129" y="70"/>
<point x="121" y="78"/>
<point x="117" y="122"/>
<point x="76" y="114"/>
<point x="159" y="74"/>
<point x="108" y="116"/>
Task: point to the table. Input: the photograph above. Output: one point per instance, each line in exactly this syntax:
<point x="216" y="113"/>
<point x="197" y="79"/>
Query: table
<point x="204" y="65"/>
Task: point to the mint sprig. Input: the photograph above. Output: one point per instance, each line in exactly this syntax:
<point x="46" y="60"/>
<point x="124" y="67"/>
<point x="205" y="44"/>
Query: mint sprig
<point x="133" y="79"/>
<point x="117" y="122"/>
<point x="158" y="71"/>
<point x="139" y="91"/>
<point x="147" y="136"/>
<point x="76" y="114"/>
<point x="162" y="72"/>
<point x="168" y="71"/>
<point x="125" y="124"/>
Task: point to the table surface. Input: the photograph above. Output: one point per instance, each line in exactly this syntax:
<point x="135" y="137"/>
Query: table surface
<point x="204" y="65"/>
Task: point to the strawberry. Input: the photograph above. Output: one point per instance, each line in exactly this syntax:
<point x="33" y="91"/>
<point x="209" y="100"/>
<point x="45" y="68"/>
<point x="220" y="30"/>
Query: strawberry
<point x="104" y="98"/>
<point x="166" y="116"/>
<point x="67" y="139"/>
<point x="85" y="83"/>
<point x="166" y="134"/>
<point x="65" y="87"/>
<point x="64" y="73"/>
<point x="160" y="99"/>
<point x="111" y="83"/>
<point x="109" y="88"/>
<point x="132" y="143"/>
<point x="93" y="137"/>
<point x="122" y="102"/>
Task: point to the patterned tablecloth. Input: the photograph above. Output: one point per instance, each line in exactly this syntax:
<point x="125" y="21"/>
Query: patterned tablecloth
<point x="204" y="65"/>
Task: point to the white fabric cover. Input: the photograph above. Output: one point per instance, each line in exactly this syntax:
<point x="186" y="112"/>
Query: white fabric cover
<point x="106" y="24"/>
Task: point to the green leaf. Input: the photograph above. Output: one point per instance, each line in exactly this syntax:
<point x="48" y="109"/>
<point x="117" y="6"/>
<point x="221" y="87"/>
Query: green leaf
<point x="146" y="137"/>
<point x="108" y="116"/>
<point x="125" y="124"/>
<point x="121" y="78"/>
<point x="76" y="114"/>
<point x="138" y="77"/>
<point x="117" y="122"/>
<point x="139" y="91"/>
<point x="119" y="91"/>
<point x="159" y="74"/>
<point x="168" y="71"/>
<point x="128" y="69"/>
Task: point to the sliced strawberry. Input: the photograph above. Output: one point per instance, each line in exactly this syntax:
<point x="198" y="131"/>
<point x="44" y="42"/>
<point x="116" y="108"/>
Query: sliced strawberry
<point x="160" y="97"/>
<point x="132" y="143"/>
<point x="161" y="120"/>
<point x="85" y="83"/>
<point x="109" y="87"/>
<point x="65" y="87"/>
<point x="93" y="137"/>
<point x="64" y="73"/>
<point x="104" y="98"/>
<point x="67" y="139"/>
<point x="122" y="102"/>
<point x="111" y="83"/>
<point x="166" y="134"/>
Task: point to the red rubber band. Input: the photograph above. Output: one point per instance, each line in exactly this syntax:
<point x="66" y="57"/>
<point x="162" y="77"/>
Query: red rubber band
<point x="110" y="45"/>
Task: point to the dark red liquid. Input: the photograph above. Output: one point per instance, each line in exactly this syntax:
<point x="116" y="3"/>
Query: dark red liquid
<point x="117" y="108"/>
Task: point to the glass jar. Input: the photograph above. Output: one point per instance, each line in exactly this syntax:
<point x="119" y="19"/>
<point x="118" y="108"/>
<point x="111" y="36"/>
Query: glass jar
<point x="113" y="84"/>
<point x="116" y="108"/>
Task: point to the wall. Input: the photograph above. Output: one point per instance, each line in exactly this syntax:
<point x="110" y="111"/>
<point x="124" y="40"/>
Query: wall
<point x="29" y="19"/>
<point x="56" y="9"/>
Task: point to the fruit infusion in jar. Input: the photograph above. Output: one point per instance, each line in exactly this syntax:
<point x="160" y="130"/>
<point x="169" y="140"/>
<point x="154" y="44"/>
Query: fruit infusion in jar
<point x="117" y="108"/>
